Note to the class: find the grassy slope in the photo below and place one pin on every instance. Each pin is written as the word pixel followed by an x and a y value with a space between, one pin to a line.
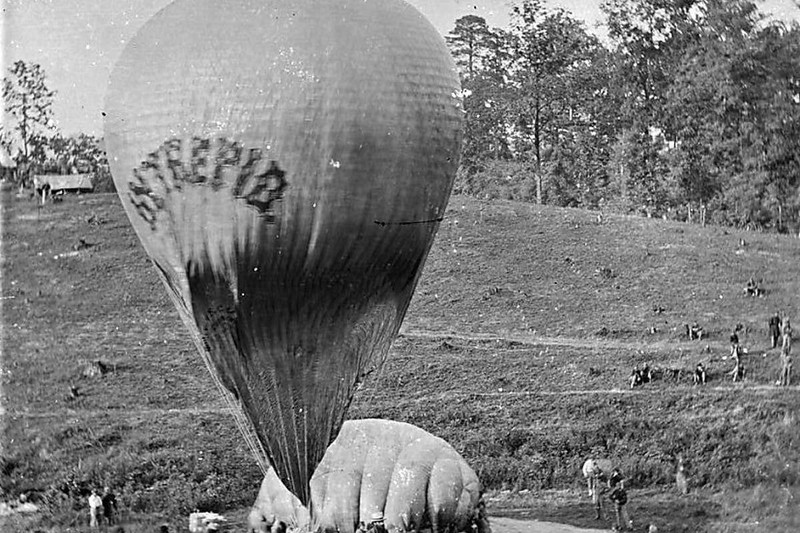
pixel 515 305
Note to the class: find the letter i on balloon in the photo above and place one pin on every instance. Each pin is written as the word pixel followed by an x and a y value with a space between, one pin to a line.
pixel 286 164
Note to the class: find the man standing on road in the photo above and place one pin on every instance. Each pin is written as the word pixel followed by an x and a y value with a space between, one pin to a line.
pixel 620 498
pixel 95 502
pixel 109 506
pixel 599 486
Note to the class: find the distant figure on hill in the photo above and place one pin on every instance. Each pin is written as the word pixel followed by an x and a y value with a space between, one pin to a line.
pixel 699 374
pixel 635 378
pixel 680 478
pixel 786 359
pixel 786 327
pixel 736 353
pixel 694 332
pixel 752 288
pixel 640 376
pixel 775 329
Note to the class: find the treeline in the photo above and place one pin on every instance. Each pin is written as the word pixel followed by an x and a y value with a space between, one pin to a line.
pixel 691 106
pixel 31 140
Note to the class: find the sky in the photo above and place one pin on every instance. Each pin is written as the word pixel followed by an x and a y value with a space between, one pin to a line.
pixel 77 42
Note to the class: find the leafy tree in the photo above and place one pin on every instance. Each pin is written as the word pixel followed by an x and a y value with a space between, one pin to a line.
pixel 695 102
pixel 768 134
pixel 28 105
pixel 82 152
pixel 635 170
pixel 470 42
pixel 482 55
pixel 552 54
pixel 732 110
pixel 648 37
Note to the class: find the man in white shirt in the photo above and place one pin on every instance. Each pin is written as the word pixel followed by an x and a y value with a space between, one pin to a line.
pixel 95 503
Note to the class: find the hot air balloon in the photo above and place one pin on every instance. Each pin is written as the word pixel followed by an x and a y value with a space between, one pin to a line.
pixel 285 164
pixel 380 467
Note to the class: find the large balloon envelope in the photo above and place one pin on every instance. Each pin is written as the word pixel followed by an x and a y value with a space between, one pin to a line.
pixel 286 164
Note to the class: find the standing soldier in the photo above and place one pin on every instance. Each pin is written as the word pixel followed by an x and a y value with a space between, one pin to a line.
pixel 599 486
pixel 786 356
pixel 618 495
pixel 736 354
pixel 620 499
pixel 95 502
pixel 109 506
pixel 775 329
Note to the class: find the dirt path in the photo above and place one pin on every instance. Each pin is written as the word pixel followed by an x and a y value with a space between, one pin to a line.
pixel 89 413
pixel 537 340
pixel 520 337
pixel 511 525
pixel 115 412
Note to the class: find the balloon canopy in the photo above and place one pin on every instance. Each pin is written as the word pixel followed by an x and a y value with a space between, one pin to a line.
pixel 286 164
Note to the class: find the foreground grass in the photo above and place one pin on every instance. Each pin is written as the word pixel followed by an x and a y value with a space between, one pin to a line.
pixel 516 349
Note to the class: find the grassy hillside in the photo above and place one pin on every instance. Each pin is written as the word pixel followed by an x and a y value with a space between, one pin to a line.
pixel 516 349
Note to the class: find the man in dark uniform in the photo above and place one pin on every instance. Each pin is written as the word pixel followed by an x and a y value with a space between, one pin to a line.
pixel 775 329
pixel 109 506
pixel 700 374
pixel 620 498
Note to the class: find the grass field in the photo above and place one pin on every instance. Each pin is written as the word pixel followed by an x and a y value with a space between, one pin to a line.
pixel 516 349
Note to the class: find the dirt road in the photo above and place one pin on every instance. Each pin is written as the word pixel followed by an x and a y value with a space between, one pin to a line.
pixel 511 525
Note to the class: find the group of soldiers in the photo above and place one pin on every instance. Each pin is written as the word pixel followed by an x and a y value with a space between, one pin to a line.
pixel 102 508
pixel 780 333
pixel 611 484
